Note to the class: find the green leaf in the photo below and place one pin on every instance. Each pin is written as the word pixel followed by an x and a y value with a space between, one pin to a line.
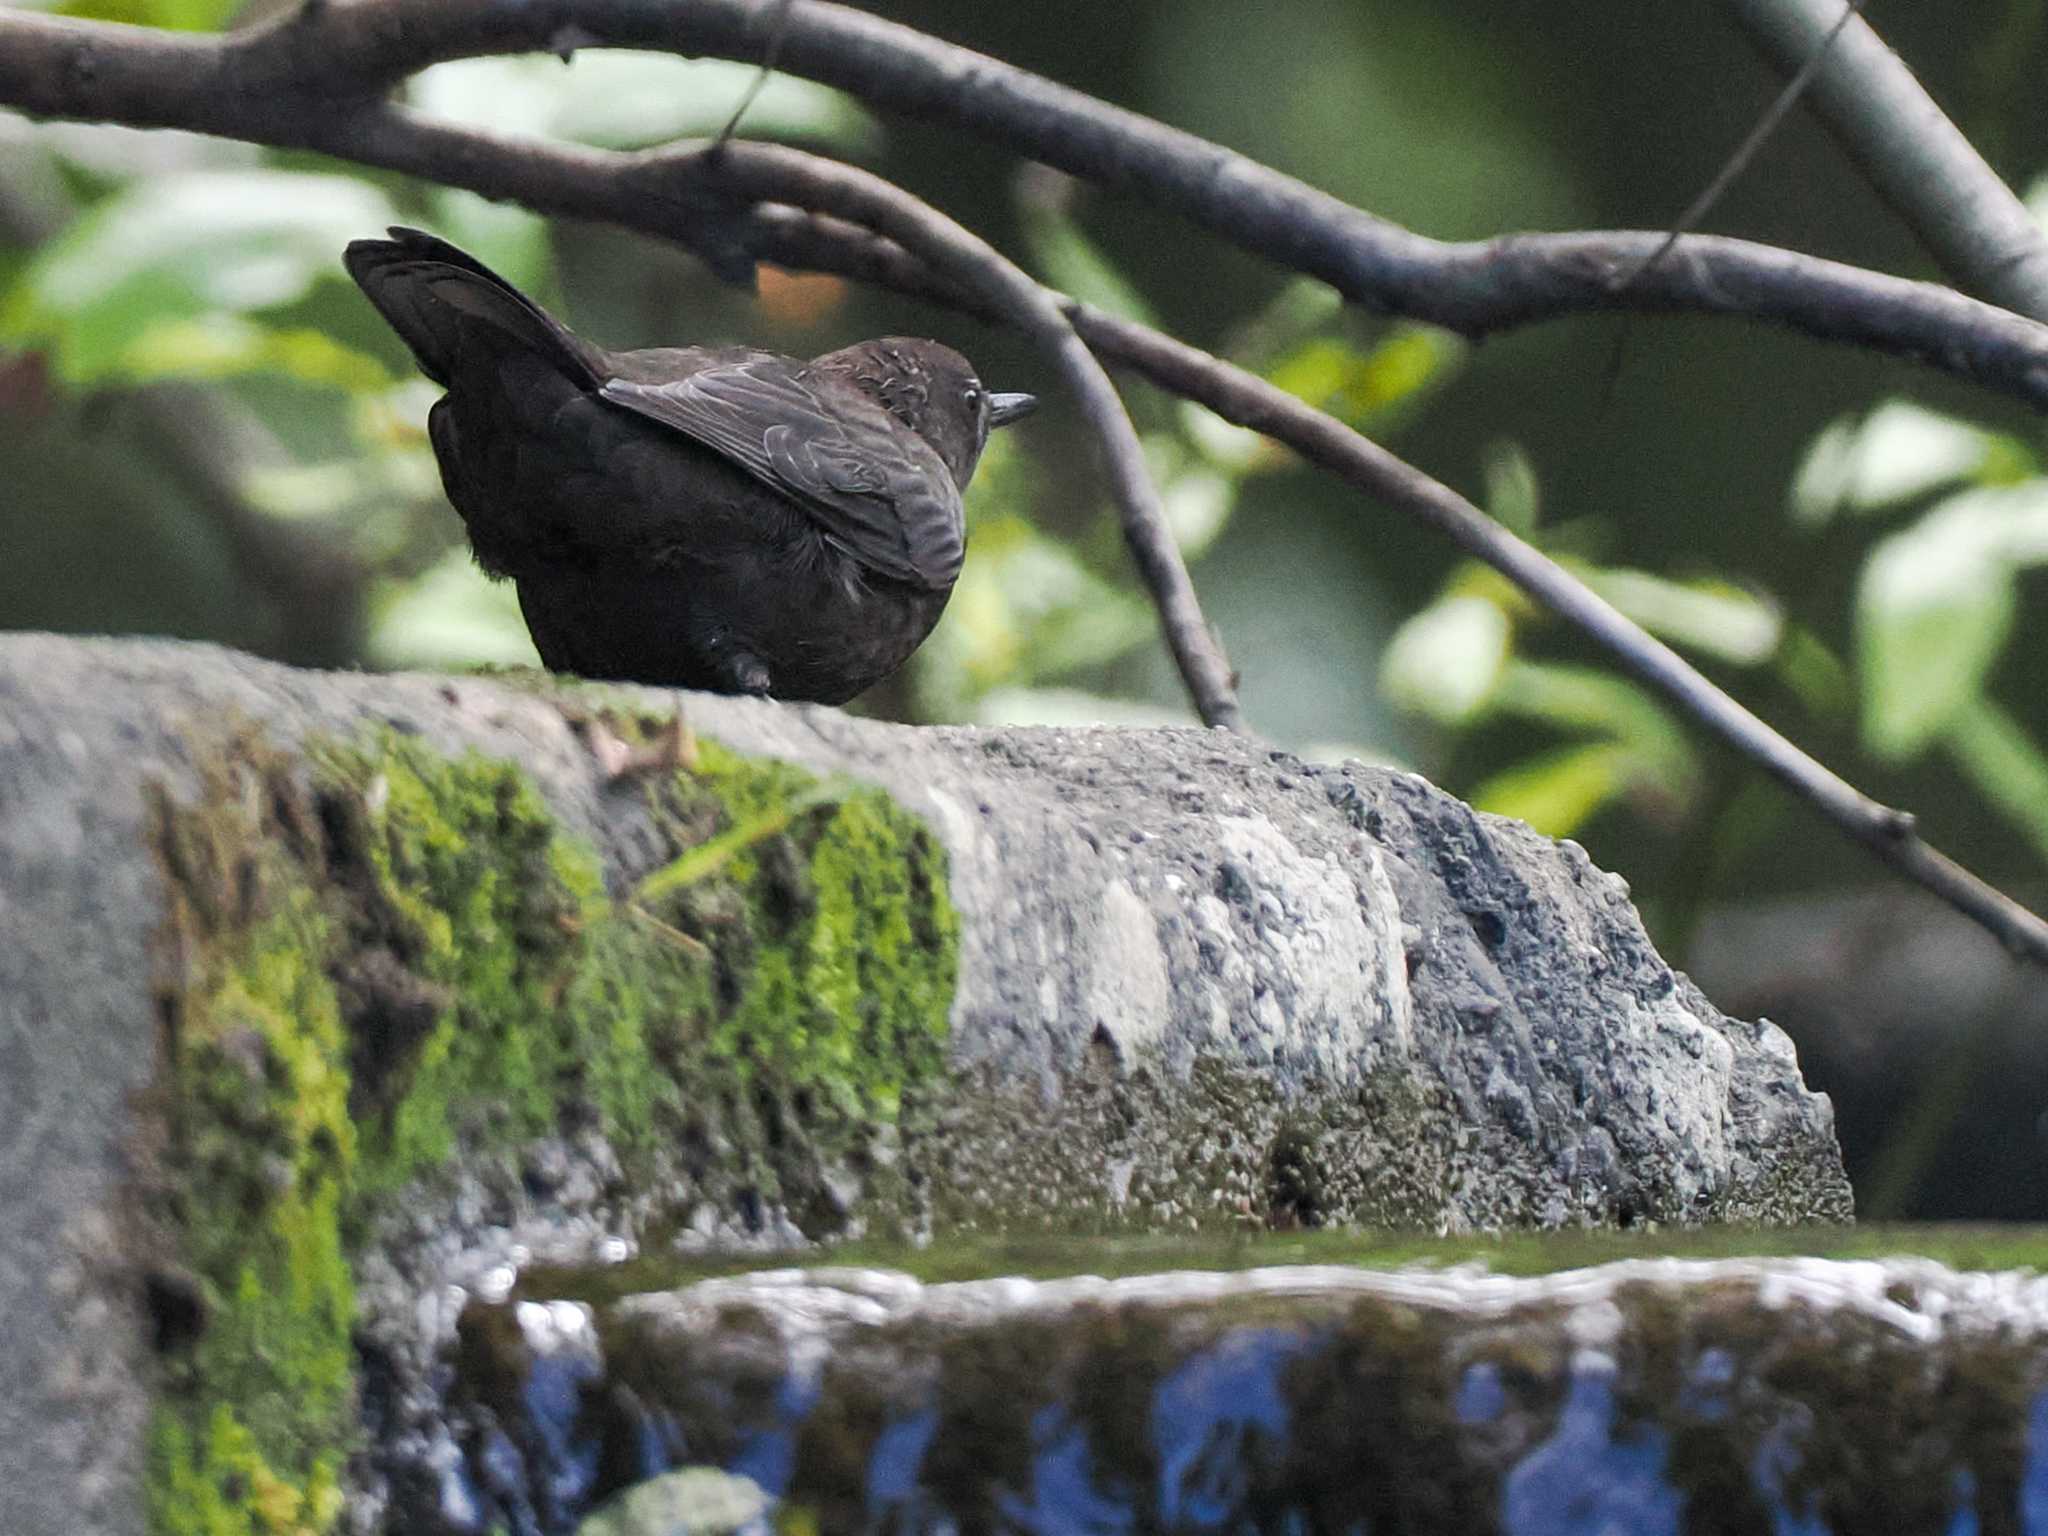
pixel 1903 451
pixel 219 346
pixel 1514 499
pixel 451 616
pixel 1361 387
pixel 1816 675
pixel 1474 578
pixel 1934 607
pixel 1587 700
pixel 1559 792
pixel 628 99
pixel 1820 486
pixel 179 247
pixel 171 15
pixel 1703 614
pixel 1317 369
pixel 2004 763
pixel 1447 660
pixel 1898 453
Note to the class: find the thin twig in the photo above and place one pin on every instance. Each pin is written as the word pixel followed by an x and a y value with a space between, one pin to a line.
pixel 1982 236
pixel 1712 193
pixel 777 31
pixel 1746 151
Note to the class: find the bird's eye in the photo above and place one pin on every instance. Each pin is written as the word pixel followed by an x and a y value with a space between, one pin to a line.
pixel 973 397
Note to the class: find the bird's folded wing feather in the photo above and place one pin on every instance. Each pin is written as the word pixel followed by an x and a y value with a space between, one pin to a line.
pixel 876 488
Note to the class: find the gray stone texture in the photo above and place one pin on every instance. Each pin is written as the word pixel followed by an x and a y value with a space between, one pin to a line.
pixel 1345 990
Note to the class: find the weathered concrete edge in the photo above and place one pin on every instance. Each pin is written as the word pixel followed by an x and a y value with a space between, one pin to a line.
pixel 1327 929
pixel 1234 1177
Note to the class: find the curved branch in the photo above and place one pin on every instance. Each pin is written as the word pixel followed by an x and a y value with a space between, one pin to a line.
pixel 302 79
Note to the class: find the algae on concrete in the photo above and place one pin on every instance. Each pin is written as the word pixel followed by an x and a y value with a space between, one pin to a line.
pixel 372 964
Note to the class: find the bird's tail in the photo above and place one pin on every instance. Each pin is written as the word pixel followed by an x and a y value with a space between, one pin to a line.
pixel 441 300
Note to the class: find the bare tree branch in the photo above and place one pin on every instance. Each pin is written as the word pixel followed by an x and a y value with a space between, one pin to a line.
pixel 1723 179
pixel 1918 160
pixel 305 79
pixel 1249 401
pixel 773 46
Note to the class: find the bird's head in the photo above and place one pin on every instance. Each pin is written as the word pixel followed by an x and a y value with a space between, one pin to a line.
pixel 932 390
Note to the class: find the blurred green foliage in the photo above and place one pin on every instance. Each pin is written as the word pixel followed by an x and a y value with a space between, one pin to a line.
pixel 1936 606
pixel 165 276
pixel 173 15
pixel 1938 599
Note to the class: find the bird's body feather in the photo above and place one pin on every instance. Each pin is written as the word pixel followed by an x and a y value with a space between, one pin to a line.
pixel 878 490
pixel 714 518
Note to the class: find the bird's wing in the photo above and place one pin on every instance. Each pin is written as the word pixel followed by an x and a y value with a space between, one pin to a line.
pixel 876 488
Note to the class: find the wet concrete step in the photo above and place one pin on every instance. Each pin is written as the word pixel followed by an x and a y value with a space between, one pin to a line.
pixel 1796 1395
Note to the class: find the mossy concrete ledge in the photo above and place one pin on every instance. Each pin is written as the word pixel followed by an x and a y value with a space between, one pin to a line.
pixel 327 1000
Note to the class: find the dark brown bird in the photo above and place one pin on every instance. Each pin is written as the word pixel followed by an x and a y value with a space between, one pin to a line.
pixel 699 517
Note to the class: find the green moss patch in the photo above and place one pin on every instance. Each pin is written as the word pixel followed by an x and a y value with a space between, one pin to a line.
pixel 376 956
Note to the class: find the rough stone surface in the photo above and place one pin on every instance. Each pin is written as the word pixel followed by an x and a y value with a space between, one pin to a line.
pixel 1877 985
pixel 1199 981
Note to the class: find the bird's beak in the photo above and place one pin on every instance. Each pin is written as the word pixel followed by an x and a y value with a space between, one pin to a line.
pixel 1004 409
